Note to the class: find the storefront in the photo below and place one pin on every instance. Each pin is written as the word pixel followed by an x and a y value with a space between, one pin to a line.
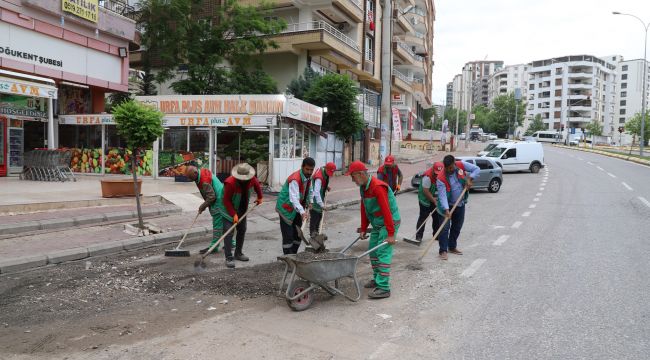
pixel 25 108
pixel 272 132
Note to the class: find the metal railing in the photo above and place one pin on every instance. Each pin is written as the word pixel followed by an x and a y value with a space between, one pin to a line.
pixel 370 55
pixel 357 3
pixel 117 6
pixel 410 51
pixel 403 77
pixel 418 11
pixel 321 25
pixel 418 80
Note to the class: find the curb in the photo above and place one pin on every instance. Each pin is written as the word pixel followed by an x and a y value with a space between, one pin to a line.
pixel 107 248
pixel 91 219
pixel 608 154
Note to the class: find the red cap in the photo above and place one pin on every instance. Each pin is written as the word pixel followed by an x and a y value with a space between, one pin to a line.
pixel 437 167
pixel 356 166
pixel 390 160
pixel 330 167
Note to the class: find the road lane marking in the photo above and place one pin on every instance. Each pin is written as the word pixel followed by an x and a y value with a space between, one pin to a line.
pixel 476 264
pixel 538 194
pixel 532 206
pixel 599 168
pixel 590 163
pixel 526 214
pixel 611 175
pixel 580 159
pixel 536 199
pixel 627 186
pixel 501 240
pixel 645 201
pixel 517 224
pixel 541 189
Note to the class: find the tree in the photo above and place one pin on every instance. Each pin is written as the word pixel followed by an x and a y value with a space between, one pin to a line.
pixel 450 115
pixel 339 94
pixel 536 125
pixel 139 125
pixel 595 129
pixel 428 115
pixel 115 99
pixel 481 117
pixel 502 117
pixel 633 127
pixel 180 32
pixel 299 87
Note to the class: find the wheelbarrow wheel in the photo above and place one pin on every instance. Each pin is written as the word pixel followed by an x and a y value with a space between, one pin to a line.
pixel 303 302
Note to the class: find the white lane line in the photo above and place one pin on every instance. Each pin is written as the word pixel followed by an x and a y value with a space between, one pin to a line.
pixel 541 189
pixel 501 240
pixel 538 194
pixel 536 199
pixel 590 163
pixel 532 206
pixel 645 201
pixel 526 214
pixel 580 159
pixel 599 168
pixel 611 175
pixel 627 186
pixel 476 264
pixel 517 224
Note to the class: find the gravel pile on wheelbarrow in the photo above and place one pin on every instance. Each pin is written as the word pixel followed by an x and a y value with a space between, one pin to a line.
pixel 310 256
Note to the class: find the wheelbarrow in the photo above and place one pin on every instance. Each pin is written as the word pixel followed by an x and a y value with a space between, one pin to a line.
pixel 307 271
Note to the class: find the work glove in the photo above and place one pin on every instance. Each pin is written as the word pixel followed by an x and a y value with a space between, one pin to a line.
pixel 398 187
pixel 202 208
pixel 329 188
pixel 304 216
pixel 259 201
pixel 235 219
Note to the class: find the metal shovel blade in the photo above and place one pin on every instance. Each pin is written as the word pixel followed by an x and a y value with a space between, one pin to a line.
pixel 318 242
pixel 301 235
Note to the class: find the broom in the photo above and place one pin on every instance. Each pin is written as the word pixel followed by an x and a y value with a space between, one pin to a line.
pixel 418 264
pixel 177 252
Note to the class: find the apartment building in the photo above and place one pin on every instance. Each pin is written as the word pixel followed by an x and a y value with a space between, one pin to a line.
pixel 629 94
pixel 457 91
pixel 450 93
pixel 506 80
pixel 475 78
pixel 571 91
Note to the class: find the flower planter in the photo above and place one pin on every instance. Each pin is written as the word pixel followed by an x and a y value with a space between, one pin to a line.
pixel 119 188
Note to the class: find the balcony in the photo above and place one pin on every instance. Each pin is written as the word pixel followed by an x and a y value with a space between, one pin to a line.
pixel 353 8
pixel 407 55
pixel 402 82
pixel 418 85
pixel 415 38
pixel 118 7
pixel 402 21
pixel 321 39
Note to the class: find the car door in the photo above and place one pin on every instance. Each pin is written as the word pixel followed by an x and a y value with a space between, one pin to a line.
pixel 509 160
pixel 484 176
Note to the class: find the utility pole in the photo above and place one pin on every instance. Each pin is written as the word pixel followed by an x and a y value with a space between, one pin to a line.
pixel 386 78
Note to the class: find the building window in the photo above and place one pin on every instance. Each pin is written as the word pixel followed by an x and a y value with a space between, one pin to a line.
pixel 531 87
pixel 624 77
pixel 623 93
pixel 558 71
pixel 624 68
pixel 622 112
pixel 621 120
pixel 623 102
pixel 623 85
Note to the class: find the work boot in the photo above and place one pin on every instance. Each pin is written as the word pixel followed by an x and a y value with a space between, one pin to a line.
pixel 241 257
pixel 443 256
pixel 456 251
pixel 379 294
pixel 230 263
pixel 370 284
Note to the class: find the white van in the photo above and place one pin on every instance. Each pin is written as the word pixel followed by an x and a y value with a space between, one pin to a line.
pixel 519 156
pixel 489 147
pixel 553 137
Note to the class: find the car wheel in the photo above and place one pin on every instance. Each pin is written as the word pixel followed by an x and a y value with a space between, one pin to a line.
pixel 535 168
pixel 494 185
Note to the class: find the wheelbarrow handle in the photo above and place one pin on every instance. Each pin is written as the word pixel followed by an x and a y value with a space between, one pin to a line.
pixel 373 249
pixel 352 243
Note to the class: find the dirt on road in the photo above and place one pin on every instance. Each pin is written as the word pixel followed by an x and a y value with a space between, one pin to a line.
pixel 121 299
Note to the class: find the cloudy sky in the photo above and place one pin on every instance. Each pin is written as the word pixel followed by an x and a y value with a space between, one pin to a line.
pixel 520 31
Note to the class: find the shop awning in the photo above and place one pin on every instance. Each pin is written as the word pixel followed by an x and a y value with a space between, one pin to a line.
pixel 175 120
pixel 20 84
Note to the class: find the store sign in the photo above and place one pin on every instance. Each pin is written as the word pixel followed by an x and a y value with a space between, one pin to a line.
pixel 23 106
pixel 34 48
pixel 86 119
pixel 398 100
pixel 18 87
pixel 86 9
pixel 397 126
pixel 304 111
pixel 173 120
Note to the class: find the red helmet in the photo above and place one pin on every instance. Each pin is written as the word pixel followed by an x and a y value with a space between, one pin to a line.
pixel 356 166
pixel 390 160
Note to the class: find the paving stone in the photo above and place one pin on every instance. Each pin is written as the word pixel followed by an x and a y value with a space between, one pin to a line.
pixel 105 248
pixel 89 219
pixel 22 263
pixel 52 224
pixel 17 228
pixel 134 243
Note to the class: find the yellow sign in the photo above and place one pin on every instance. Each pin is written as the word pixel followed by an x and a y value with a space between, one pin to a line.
pixel 87 9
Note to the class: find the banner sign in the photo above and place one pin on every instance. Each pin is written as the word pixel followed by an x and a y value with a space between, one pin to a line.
pixel 85 9
pixel 397 126
pixel 18 87
pixel 173 120
pixel 304 111
pixel 23 106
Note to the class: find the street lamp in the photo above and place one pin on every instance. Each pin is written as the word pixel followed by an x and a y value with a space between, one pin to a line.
pixel 645 79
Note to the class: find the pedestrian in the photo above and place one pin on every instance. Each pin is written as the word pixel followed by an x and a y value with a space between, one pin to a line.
pixel 237 189
pixel 292 205
pixel 390 173
pixel 379 209
pixel 212 191
pixel 427 199
pixel 320 184
pixel 450 184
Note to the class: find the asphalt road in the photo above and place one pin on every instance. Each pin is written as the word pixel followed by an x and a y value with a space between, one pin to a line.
pixel 555 267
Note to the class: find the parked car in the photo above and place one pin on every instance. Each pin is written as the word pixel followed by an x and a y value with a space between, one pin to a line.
pixel 491 175
pixel 574 142
pixel 519 156
pixel 475 135
pixel 490 178
pixel 461 136
pixel 492 136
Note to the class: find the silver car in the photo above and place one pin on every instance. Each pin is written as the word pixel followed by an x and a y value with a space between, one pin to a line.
pixel 491 175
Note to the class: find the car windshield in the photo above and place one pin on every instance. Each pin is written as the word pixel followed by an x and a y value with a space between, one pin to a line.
pixel 496 152
pixel 490 147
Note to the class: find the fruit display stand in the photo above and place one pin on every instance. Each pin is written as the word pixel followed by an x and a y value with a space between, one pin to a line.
pixel 174 163
pixel 115 161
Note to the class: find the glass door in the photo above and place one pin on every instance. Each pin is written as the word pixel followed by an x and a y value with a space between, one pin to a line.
pixel 16 139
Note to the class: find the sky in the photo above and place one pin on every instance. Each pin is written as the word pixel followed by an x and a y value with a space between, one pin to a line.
pixel 520 31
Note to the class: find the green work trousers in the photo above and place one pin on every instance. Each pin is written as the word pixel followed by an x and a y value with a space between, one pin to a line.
pixel 217 227
pixel 381 258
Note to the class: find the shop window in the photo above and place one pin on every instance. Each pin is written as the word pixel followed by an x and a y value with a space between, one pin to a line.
pixel 174 157
pixel 73 100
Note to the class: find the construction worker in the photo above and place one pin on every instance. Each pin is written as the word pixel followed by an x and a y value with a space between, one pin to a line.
pixel 212 191
pixel 450 184
pixel 320 184
pixel 379 209
pixel 292 205
pixel 427 198
pixel 390 173
pixel 237 189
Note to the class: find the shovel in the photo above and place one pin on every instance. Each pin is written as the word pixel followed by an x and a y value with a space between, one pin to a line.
pixel 411 239
pixel 177 252
pixel 199 264
pixel 418 264
pixel 320 238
